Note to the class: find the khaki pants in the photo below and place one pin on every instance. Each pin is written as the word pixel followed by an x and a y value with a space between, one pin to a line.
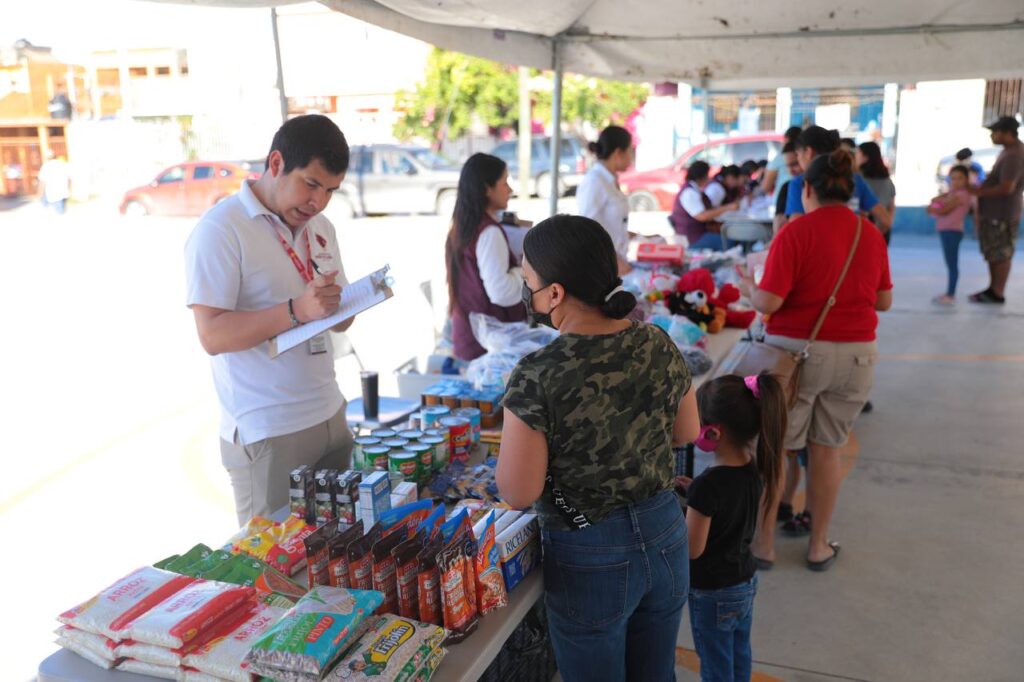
pixel 259 471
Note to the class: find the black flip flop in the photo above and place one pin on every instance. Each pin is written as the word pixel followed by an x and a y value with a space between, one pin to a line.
pixel 763 564
pixel 798 526
pixel 785 513
pixel 986 297
pixel 825 564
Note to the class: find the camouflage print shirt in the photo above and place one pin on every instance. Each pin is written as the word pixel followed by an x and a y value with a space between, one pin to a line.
pixel 607 405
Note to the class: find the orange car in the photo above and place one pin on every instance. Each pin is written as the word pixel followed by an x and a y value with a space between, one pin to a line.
pixel 189 188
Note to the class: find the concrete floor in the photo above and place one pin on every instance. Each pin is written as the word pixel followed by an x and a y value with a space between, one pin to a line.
pixel 928 586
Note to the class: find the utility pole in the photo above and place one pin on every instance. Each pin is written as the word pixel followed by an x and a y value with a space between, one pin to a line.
pixel 525 133
pixel 280 70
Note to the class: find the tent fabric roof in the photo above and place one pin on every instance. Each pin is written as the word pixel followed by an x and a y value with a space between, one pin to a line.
pixel 723 44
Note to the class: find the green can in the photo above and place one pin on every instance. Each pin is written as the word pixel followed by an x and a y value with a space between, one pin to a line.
pixel 395 443
pixel 411 434
pixel 358 450
pixel 440 446
pixel 376 457
pixel 383 433
pixel 405 463
pixel 425 452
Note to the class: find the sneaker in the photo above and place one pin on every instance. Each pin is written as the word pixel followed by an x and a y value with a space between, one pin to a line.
pixel 944 300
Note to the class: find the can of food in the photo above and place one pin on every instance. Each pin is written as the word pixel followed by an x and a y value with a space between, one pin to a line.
pixel 468 400
pixel 487 401
pixel 358 456
pixel 395 443
pixel 440 446
pixel 376 457
pixel 474 417
pixel 425 453
pixel 460 437
pixel 490 420
pixel 450 398
pixel 429 415
pixel 439 431
pixel 411 434
pixel 405 463
pixel 383 434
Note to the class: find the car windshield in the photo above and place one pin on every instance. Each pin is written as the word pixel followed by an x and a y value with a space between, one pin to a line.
pixel 431 159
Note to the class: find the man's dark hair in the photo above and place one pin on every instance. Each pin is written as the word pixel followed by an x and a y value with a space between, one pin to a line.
pixel 848 142
pixel 749 167
pixel 305 138
pixel 789 148
pixel 820 140
pixel 792 133
pixel 698 171
pixel 964 154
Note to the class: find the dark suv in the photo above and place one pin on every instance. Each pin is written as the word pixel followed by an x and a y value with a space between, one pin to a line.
pixel 392 178
pixel 572 164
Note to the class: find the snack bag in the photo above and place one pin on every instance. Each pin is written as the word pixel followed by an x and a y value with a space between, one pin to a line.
pixel 385 580
pixel 190 558
pixel 459 522
pixel 428 584
pixel 407 568
pixel 181 618
pixel 317 554
pixel 390 647
pixel 490 583
pixel 405 519
pixel 224 657
pixel 429 666
pixel 287 556
pixel 360 560
pixel 458 596
pixel 119 604
pixel 433 521
pixel 337 555
pixel 254 526
pixel 273 582
pixel 312 635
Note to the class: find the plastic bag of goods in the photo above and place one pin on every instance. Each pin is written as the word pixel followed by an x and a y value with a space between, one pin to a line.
pixel 393 648
pixel 313 634
pixel 188 613
pixel 224 657
pixel 97 649
pixel 118 605
pixel 163 672
pixel 490 583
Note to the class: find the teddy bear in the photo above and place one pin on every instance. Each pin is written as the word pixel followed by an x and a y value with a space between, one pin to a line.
pixel 700 279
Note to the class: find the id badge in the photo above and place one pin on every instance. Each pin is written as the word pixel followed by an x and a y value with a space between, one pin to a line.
pixel 318 344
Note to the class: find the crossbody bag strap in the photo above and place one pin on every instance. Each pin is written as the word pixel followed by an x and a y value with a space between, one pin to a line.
pixel 835 291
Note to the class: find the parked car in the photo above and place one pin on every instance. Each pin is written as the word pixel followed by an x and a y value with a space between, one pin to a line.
pixel 985 157
pixel 572 164
pixel 655 190
pixel 391 178
pixel 188 188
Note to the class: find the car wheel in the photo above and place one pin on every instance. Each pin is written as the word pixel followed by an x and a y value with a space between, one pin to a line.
pixel 445 205
pixel 642 201
pixel 135 209
pixel 544 186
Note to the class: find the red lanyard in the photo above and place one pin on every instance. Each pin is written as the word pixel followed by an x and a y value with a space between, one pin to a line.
pixel 306 271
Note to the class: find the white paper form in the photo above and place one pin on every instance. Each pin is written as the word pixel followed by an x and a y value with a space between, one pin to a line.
pixel 355 298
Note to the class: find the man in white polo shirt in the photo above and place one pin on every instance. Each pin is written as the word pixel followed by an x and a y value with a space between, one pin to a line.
pixel 258 263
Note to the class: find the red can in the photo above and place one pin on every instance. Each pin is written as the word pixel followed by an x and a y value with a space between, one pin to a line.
pixel 460 434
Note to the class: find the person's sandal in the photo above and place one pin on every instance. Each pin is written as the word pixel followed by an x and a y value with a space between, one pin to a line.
pixel 798 526
pixel 987 296
pixel 825 564
pixel 785 513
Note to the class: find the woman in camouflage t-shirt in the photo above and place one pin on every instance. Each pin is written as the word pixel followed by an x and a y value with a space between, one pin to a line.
pixel 590 422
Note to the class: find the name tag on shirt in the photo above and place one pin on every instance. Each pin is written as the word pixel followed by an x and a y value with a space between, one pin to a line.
pixel 318 344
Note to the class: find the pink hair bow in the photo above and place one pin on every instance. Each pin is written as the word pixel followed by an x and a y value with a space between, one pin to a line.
pixel 751 382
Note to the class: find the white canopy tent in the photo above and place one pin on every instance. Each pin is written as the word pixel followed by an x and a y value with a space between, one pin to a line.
pixel 722 45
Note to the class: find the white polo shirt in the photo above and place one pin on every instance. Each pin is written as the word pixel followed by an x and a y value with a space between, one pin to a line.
pixel 234 261
pixel 598 197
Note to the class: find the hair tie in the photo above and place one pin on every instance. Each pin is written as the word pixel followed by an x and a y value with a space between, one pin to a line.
pixel 751 382
pixel 613 292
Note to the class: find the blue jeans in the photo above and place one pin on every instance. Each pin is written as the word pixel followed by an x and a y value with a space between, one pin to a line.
pixel 709 240
pixel 615 593
pixel 951 252
pixel 721 621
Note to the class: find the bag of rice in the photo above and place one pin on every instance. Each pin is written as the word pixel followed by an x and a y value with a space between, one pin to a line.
pixel 101 646
pixel 313 634
pixel 188 614
pixel 164 672
pixel 88 654
pixel 391 647
pixel 118 605
pixel 224 657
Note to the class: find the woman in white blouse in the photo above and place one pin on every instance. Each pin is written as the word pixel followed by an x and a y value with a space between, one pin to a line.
pixel 598 197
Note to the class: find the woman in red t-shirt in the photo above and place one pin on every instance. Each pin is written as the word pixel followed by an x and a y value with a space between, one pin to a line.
pixel 803 266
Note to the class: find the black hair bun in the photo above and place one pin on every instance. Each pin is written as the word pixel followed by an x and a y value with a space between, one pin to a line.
pixel 619 306
pixel 593 147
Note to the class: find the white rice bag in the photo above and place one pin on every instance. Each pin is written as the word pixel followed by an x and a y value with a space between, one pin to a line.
pixel 118 605
pixel 149 653
pixel 101 646
pixel 224 657
pixel 188 614
pixel 196 676
pixel 87 653
pixel 164 672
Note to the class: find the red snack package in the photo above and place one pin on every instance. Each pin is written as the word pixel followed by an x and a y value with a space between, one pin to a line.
pixel 458 597
pixel 287 555
pixel 428 584
pixel 317 554
pixel 337 555
pixel 384 578
pixel 360 560
pixel 464 534
pixel 407 567
pixel 490 583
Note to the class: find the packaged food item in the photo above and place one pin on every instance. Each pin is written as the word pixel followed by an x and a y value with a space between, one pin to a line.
pixel 474 416
pixel 190 558
pixel 273 582
pixel 119 604
pixel 260 543
pixel 411 434
pixel 405 519
pixel 287 556
pixel 429 666
pixel 407 568
pixel 374 497
pixel 481 524
pixel 383 434
pixel 406 463
pixel 506 520
pixel 395 443
pixel 337 555
pixel 490 583
pixel 224 657
pixel 163 672
pixel 460 437
pixel 317 558
pixel 360 560
pixel 346 496
pixel 161 655
pixel 520 549
pixel 104 647
pixel 88 654
pixel 458 596
pixel 385 580
pixel 428 583
pixel 301 492
pixel 430 414
pixel 439 454
pixel 402 494
pixel 323 496
pixel 459 522
pixel 432 524
pixel 182 617
pixel 359 460
pixel 237 569
pixel 391 647
pixel 312 635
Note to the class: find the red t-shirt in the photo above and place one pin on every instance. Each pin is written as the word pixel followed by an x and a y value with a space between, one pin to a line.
pixel 803 265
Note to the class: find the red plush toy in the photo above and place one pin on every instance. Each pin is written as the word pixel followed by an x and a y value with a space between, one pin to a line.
pixel 700 279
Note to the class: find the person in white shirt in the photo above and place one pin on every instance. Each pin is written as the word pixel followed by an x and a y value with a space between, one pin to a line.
pixel 56 182
pixel 259 263
pixel 483 276
pixel 598 196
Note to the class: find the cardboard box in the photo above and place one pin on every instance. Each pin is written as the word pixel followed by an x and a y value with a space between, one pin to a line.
pixel 374 497
pixel 403 493
pixel 519 545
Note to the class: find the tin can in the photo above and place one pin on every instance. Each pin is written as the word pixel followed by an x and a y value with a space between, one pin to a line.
pixel 383 434
pixel 490 421
pixel 358 449
pixel 460 437
pixel 376 457
pixel 395 443
pixel 450 398
pixel 411 434
pixel 474 417
pixel 430 414
pixel 439 431
pixel 425 452
pixel 405 463
pixel 440 446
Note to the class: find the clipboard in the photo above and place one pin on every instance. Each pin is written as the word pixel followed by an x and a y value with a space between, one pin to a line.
pixel 355 298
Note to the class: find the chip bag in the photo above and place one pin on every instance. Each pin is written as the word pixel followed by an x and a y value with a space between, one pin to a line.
pixel 490 583
pixel 390 647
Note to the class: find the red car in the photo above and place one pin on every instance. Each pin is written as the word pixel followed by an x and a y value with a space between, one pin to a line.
pixel 189 188
pixel 655 190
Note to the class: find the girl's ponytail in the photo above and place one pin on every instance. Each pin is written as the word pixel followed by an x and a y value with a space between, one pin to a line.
pixel 771 440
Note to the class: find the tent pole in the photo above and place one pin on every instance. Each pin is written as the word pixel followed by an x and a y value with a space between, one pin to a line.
pixel 556 125
pixel 280 70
